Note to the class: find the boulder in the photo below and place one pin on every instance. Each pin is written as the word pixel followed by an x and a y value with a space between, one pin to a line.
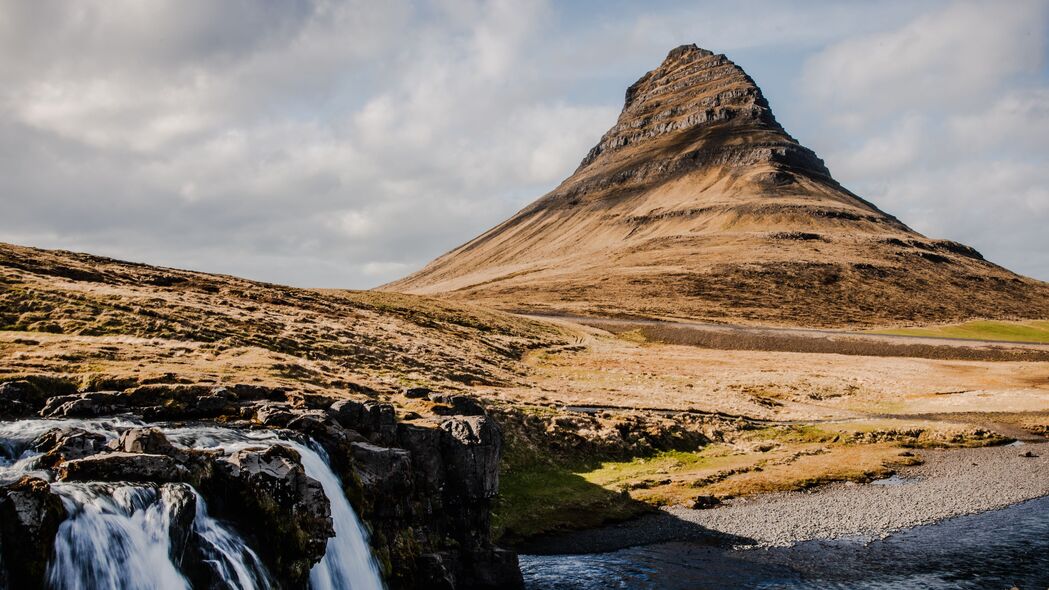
pixel 144 440
pixel 376 420
pixel 18 399
pixel 471 446
pixel 704 501
pixel 417 392
pixel 267 494
pixel 386 475
pixel 320 427
pixel 182 509
pixel 273 413
pixel 64 444
pixel 367 415
pixel 140 467
pixel 456 405
pixel 83 405
pixel 30 514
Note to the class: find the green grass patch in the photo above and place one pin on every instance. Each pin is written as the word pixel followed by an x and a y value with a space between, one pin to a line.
pixel 612 474
pixel 1036 331
pixel 550 498
pixel 793 434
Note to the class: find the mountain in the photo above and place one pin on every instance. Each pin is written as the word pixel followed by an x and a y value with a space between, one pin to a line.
pixel 698 204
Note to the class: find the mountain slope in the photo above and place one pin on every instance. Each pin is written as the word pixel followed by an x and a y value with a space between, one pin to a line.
pixel 135 323
pixel 698 204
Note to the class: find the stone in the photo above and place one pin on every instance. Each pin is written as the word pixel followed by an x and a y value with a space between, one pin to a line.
pixel 64 444
pixel 273 413
pixel 144 440
pixel 82 405
pixel 267 494
pixel 18 399
pixel 182 506
pixel 140 467
pixel 385 472
pixel 416 392
pixel 703 501
pixel 30 514
pixel 471 448
pixel 460 405
pixel 321 428
pixel 376 420
pixel 1028 454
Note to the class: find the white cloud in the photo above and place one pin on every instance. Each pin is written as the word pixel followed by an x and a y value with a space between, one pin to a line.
pixel 898 146
pixel 955 56
pixel 344 143
pixel 1020 119
pixel 944 122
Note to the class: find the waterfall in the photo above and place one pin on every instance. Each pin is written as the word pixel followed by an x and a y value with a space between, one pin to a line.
pixel 119 536
pixel 227 555
pixel 348 557
pixel 116 536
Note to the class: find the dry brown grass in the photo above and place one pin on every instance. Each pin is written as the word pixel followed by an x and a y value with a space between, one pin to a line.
pixel 96 315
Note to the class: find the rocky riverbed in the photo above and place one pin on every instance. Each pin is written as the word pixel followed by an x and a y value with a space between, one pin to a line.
pixel 950 483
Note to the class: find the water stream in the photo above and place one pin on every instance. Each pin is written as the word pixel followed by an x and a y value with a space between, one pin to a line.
pixel 119 535
pixel 1000 549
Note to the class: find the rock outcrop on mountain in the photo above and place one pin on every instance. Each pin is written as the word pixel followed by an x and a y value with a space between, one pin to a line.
pixel 698 204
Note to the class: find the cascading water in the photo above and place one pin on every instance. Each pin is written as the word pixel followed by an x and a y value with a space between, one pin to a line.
pixel 116 536
pixel 119 536
pixel 347 563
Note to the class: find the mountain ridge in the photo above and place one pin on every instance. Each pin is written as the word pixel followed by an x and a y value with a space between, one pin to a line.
pixel 698 204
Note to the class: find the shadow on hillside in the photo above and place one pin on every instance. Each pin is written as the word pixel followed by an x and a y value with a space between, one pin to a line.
pixel 647 529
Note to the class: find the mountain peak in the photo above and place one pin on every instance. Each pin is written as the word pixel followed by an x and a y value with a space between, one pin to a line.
pixel 687 52
pixel 698 204
pixel 696 109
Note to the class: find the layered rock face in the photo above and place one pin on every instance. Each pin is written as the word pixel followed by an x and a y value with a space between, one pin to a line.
pixel 424 490
pixel 698 204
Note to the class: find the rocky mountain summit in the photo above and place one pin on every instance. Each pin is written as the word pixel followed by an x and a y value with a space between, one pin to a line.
pixel 698 204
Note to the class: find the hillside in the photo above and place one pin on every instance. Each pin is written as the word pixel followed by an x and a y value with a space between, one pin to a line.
pixel 697 204
pixel 586 412
pixel 100 319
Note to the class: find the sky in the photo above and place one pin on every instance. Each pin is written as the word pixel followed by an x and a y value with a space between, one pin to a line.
pixel 329 143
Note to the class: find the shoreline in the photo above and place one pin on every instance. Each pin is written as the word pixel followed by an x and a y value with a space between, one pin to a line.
pixel 950 483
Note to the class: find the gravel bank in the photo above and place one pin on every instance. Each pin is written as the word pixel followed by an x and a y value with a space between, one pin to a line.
pixel 950 483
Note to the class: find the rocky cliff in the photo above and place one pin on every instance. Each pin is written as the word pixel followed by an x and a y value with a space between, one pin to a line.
pixel 424 490
pixel 698 204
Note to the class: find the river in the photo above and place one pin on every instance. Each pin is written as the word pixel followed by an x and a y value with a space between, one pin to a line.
pixel 1000 549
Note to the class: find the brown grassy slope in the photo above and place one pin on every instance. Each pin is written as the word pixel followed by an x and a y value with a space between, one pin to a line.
pixel 86 301
pixel 697 204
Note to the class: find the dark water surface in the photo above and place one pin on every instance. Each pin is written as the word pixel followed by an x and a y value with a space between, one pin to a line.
pixel 993 550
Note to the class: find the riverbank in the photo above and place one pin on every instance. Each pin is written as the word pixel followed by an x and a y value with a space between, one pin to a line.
pixel 950 483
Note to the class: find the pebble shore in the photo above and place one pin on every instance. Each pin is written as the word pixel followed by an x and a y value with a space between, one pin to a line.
pixel 950 483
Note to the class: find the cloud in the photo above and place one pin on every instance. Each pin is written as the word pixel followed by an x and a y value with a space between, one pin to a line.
pixel 955 56
pixel 944 122
pixel 344 143
pixel 1019 121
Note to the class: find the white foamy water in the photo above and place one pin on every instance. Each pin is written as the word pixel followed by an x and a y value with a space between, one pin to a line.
pixel 118 536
